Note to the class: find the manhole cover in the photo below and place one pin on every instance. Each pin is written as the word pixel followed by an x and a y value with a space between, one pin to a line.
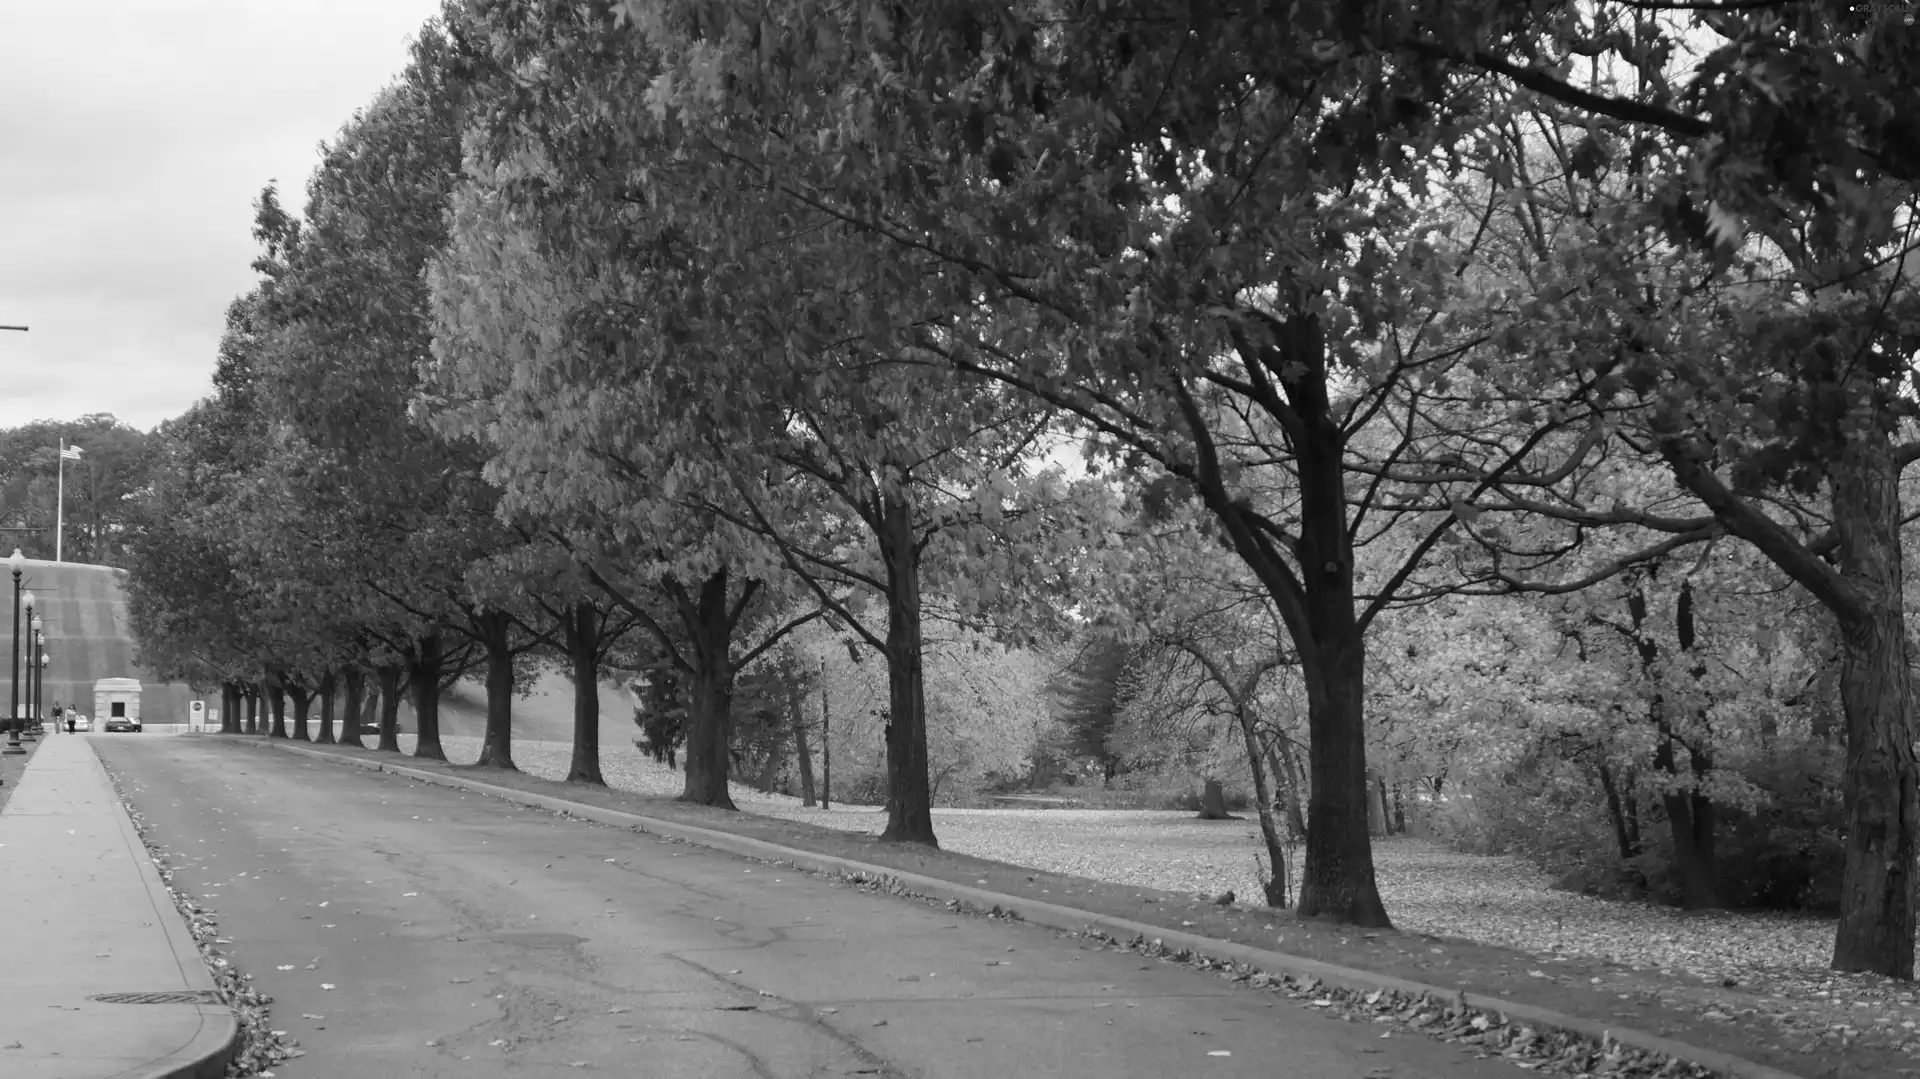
pixel 177 996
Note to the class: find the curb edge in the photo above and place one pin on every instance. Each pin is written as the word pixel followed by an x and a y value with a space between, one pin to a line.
pixel 215 1041
pixel 1054 916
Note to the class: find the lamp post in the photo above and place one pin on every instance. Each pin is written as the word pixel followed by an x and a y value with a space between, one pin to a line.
pixel 21 721
pixel 15 563
pixel 36 680
pixel 40 689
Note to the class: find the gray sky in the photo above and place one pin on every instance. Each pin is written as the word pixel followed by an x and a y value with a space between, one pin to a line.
pixel 134 136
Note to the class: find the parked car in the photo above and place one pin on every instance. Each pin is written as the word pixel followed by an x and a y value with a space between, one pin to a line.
pixel 81 722
pixel 122 725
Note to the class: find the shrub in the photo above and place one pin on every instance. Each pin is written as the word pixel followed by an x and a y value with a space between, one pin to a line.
pixel 1782 853
pixel 862 789
pixel 1189 799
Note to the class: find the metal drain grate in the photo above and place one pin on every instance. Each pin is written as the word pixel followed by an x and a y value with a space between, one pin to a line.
pixel 176 996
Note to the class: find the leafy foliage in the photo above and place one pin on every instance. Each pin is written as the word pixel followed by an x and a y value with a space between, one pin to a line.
pixel 1457 385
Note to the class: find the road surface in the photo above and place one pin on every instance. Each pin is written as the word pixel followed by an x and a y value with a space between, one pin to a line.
pixel 404 929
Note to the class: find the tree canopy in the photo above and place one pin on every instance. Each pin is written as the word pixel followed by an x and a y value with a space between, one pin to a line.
pixel 1333 390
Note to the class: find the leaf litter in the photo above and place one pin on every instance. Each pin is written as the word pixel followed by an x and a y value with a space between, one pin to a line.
pixel 1769 968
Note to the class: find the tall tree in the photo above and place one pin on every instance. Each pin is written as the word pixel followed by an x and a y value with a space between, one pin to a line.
pixel 1086 694
pixel 1736 268
pixel 1197 231
pixel 609 475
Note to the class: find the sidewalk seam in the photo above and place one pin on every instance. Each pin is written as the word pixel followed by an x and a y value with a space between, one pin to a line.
pixel 1055 916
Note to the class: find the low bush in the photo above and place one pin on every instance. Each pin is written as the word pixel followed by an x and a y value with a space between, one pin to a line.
pixel 861 789
pixel 1781 852
pixel 1189 800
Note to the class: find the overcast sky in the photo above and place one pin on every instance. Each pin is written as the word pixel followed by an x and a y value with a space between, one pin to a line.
pixel 134 136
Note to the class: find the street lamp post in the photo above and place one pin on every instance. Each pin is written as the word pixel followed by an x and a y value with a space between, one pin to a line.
pixel 16 562
pixel 25 722
pixel 36 679
pixel 29 603
pixel 40 690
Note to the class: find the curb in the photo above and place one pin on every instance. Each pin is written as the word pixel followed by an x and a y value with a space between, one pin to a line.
pixel 213 1045
pixel 1069 919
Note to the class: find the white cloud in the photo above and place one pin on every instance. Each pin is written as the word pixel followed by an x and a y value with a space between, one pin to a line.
pixel 134 136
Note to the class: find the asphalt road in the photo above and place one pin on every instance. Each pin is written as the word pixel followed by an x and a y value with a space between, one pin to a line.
pixel 405 929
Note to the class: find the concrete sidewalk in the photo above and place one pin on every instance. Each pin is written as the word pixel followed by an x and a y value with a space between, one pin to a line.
pixel 87 915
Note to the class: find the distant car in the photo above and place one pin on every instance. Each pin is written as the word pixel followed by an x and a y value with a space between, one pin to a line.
pixel 119 725
pixel 81 723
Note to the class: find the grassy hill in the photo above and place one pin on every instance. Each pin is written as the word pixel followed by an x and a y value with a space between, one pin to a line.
pixel 85 614
pixel 543 715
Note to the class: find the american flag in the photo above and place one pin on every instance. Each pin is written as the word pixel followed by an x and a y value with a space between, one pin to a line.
pixel 71 453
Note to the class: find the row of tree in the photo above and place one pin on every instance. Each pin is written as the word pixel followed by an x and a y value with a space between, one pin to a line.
pixel 724 318
pixel 100 490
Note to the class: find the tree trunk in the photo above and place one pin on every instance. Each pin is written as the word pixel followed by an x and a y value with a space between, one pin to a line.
pixel 1626 830
pixel 1287 777
pixel 391 677
pixel 1213 801
pixel 424 674
pixel 252 695
pixel 1693 864
pixel 1337 880
pixel 496 632
pixel 277 699
pixel 795 709
pixel 1317 605
pixel 826 743
pixel 770 764
pixel 1275 886
pixel 302 712
pixel 583 653
pixel 327 683
pixel 909 790
pixel 1690 812
pixel 1376 806
pixel 1690 823
pixel 710 694
pixel 355 698
pixel 1876 931
pixel 230 698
